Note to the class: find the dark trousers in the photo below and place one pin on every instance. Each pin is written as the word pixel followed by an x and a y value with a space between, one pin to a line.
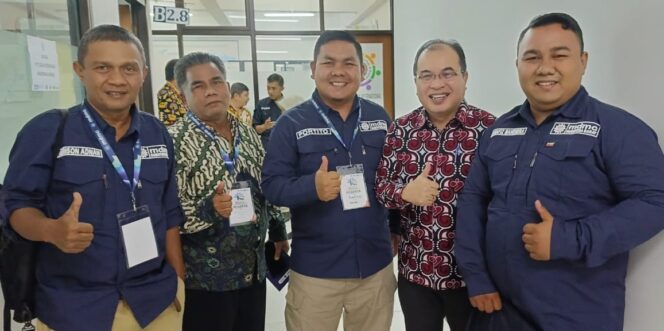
pixel 237 310
pixel 424 309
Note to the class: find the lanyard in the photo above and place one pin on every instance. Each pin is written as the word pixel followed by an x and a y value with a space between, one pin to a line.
pixel 230 164
pixel 336 133
pixel 115 161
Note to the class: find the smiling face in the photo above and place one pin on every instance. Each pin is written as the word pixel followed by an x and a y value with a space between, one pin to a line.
pixel 440 83
pixel 206 92
pixel 337 72
pixel 112 73
pixel 550 65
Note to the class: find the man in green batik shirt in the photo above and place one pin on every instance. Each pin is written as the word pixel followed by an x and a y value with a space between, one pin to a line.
pixel 224 254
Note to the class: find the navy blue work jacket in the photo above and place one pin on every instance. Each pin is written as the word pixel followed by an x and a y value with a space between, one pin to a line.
pixel 600 172
pixel 329 242
pixel 81 291
pixel 266 109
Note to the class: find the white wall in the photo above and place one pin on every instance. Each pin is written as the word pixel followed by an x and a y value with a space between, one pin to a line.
pixel 624 40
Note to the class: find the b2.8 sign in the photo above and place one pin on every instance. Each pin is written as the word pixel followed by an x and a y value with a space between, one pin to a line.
pixel 172 15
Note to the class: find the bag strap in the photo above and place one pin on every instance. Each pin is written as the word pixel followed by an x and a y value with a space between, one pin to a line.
pixel 64 113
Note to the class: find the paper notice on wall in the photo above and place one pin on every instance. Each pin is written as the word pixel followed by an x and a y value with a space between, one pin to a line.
pixel 371 87
pixel 43 64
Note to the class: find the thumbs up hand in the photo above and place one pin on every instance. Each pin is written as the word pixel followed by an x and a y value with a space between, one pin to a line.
pixel 328 183
pixel 67 232
pixel 222 201
pixel 421 191
pixel 537 236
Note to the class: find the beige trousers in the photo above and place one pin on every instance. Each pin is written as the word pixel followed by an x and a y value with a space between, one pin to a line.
pixel 169 320
pixel 317 304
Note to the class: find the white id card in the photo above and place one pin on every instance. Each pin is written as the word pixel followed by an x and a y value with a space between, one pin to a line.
pixel 138 236
pixel 243 204
pixel 353 188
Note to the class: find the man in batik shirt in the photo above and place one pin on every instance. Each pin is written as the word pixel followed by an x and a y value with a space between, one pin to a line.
pixel 239 100
pixel 425 161
pixel 169 100
pixel 223 238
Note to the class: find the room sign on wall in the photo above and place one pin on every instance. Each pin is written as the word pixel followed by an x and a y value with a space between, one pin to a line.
pixel 171 15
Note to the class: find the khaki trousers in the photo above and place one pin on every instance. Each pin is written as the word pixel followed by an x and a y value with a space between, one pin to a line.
pixel 316 304
pixel 169 320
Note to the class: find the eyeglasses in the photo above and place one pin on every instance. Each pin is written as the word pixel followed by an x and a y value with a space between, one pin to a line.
pixel 429 77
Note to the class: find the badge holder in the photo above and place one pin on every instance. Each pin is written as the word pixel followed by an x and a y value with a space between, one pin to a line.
pixel 353 187
pixel 243 212
pixel 138 236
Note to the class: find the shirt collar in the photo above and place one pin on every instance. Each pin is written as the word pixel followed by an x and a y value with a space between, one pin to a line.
pixel 327 110
pixel 573 108
pixel 419 117
pixel 103 125
pixel 231 119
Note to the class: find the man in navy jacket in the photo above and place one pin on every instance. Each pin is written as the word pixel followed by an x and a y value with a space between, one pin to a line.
pixel 341 259
pixel 561 189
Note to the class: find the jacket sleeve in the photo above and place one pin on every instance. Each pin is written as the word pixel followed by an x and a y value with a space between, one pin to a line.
pixel 171 202
pixel 388 183
pixel 281 183
pixel 471 220
pixel 30 165
pixel 635 166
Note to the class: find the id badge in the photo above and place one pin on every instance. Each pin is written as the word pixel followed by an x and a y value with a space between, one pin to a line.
pixel 353 188
pixel 138 236
pixel 243 204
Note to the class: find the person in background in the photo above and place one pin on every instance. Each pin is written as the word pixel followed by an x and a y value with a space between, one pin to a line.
pixel 169 100
pixel 237 106
pixel 268 110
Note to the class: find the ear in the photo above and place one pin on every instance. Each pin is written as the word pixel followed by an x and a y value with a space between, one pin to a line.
pixel 364 68
pixel 312 65
pixel 146 70
pixel 78 69
pixel 465 76
pixel 184 96
pixel 584 61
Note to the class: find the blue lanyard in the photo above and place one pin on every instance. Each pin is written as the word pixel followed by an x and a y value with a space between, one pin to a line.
pixel 334 130
pixel 115 161
pixel 230 164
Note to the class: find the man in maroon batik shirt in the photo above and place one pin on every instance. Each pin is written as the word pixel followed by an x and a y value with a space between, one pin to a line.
pixel 426 159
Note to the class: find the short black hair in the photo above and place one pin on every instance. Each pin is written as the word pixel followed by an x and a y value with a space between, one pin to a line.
pixel 170 69
pixel 565 20
pixel 193 59
pixel 333 35
pixel 276 78
pixel 437 43
pixel 107 32
pixel 238 88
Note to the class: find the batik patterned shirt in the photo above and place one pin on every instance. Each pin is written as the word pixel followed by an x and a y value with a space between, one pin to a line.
pixel 171 104
pixel 426 251
pixel 241 114
pixel 219 257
